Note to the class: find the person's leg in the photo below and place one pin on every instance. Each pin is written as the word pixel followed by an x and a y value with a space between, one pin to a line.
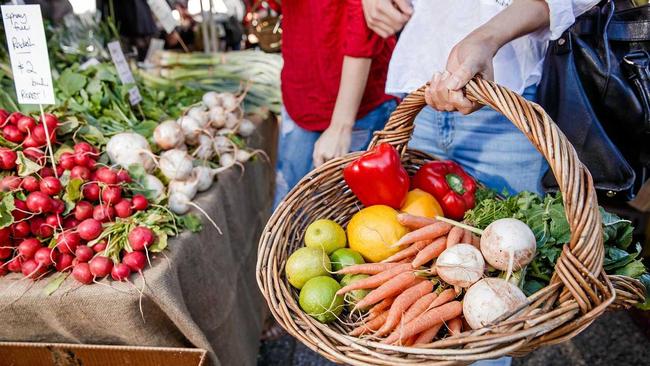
pixel 295 149
pixel 375 120
pixel 432 133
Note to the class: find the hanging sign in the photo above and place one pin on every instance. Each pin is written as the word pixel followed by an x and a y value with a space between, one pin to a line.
pixel 162 11
pixel 123 71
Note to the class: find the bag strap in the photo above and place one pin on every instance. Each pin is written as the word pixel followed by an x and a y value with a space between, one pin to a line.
pixel 629 31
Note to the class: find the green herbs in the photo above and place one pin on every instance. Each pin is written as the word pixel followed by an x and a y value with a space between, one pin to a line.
pixel 546 218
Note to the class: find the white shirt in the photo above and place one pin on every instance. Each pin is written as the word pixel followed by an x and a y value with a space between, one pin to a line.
pixel 437 25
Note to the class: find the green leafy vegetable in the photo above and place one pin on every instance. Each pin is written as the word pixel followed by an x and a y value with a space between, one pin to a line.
pixel 6 206
pixel 26 166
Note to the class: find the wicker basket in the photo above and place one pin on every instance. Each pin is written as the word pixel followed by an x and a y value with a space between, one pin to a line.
pixel 578 293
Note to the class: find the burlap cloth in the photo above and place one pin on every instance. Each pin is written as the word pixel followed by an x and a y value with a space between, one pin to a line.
pixel 201 294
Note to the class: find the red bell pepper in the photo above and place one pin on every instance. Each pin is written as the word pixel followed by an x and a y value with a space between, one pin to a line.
pixel 449 184
pixel 378 178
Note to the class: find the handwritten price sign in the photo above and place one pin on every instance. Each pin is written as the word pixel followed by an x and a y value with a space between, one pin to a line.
pixel 27 47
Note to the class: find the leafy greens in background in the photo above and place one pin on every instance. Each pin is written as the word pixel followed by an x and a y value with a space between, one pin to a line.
pixel 545 216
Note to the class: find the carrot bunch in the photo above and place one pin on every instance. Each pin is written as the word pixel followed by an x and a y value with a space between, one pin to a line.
pixel 404 306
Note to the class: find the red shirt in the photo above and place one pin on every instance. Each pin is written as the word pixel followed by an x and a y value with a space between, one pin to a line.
pixel 316 34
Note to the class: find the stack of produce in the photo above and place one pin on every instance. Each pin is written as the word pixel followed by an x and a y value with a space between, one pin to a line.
pixel 405 272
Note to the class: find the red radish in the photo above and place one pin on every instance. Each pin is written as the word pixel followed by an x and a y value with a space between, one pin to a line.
pixel 70 223
pixel 32 269
pixel 81 172
pixel 51 186
pixel 25 124
pixel 123 208
pixel 54 220
pixel 21 210
pixel 67 242
pixel 44 230
pixel 66 160
pixel 103 213
pixel 120 272
pixel 85 148
pixel 3 268
pixel 14 117
pixel 106 175
pixel 4 236
pixel 28 247
pixel 81 273
pixel 50 120
pixel 38 133
pixel 83 210
pixel 111 195
pixel 35 224
pixel 84 253
pixel 123 176
pixel 64 262
pixel 99 246
pixel 6 252
pixel 34 154
pixel 140 202
pixel 30 184
pixel 89 229
pixel 141 237
pixel 135 260
pixel 7 159
pixel 45 256
pixel 20 229
pixel 59 170
pixel 82 159
pixel 46 172
pixel 100 266
pixel 10 183
pixel 13 134
pixel 4 117
pixel 58 206
pixel 91 191
pixel 15 265
pixel 30 143
pixel 38 202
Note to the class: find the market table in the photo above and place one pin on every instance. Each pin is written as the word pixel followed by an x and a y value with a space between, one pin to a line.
pixel 201 293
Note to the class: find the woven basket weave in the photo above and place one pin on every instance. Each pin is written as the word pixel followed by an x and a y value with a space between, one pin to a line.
pixel 578 293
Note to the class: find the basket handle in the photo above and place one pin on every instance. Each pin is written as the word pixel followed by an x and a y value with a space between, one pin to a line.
pixel 584 259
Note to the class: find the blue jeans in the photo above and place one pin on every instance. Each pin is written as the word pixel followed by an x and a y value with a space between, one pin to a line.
pixel 485 143
pixel 296 146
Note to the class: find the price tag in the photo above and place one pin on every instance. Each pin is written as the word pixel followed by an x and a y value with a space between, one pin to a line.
pixel 163 12
pixel 155 45
pixel 123 71
pixel 30 62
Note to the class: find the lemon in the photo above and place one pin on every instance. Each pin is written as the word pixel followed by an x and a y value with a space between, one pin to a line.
pixel 306 263
pixel 351 298
pixel 326 235
pixel 421 203
pixel 318 298
pixel 345 257
pixel 373 230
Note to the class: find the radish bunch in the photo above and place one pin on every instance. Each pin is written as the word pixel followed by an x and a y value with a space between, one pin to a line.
pixel 24 130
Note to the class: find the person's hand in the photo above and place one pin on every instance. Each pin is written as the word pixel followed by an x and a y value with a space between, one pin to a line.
pixel 386 17
pixel 471 56
pixel 333 142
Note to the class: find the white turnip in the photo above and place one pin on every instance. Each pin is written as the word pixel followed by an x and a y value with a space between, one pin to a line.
pixel 175 164
pixel 217 116
pixel 228 101
pixel 460 265
pixel 227 160
pixel 168 135
pixel 205 176
pixel 153 184
pixel 180 204
pixel 205 149
pixel 128 148
pixel 211 99
pixel 246 127
pixel 232 119
pixel 490 298
pixel 187 188
pixel 508 244
pixel 191 129
pixel 200 115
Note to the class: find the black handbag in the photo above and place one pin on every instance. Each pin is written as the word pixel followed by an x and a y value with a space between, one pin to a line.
pixel 596 87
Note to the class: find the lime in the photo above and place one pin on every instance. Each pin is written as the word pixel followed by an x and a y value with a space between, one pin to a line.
pixel 318 299
pixel 352 297
pixel 345 257
pixel 326 235
pixel 306 263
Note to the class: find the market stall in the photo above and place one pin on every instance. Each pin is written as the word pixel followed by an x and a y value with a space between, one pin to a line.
pixel 201 293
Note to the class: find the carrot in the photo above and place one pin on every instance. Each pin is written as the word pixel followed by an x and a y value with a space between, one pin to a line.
pixel 376 280
pixel 428 232
pixel 426 321
pixel 408 252
pixel 413 221
pixel 366 268
pixel 455 326
pixel 428 335
pixel 431 251
pixel 379 308
pixel 402 303
pixel 443 298
pixel 370 326
pixel 419 307
pixel 476 241
pixel 467 237
pixel 391 288
pixel 455 234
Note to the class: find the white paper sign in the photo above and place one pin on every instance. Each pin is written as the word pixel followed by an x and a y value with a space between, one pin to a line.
pixel 27 47
pixel 155 45
pixel 162 11
pixel 123 71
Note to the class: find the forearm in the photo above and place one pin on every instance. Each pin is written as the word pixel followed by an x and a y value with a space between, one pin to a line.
pixel 518 19
pixel 354 75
